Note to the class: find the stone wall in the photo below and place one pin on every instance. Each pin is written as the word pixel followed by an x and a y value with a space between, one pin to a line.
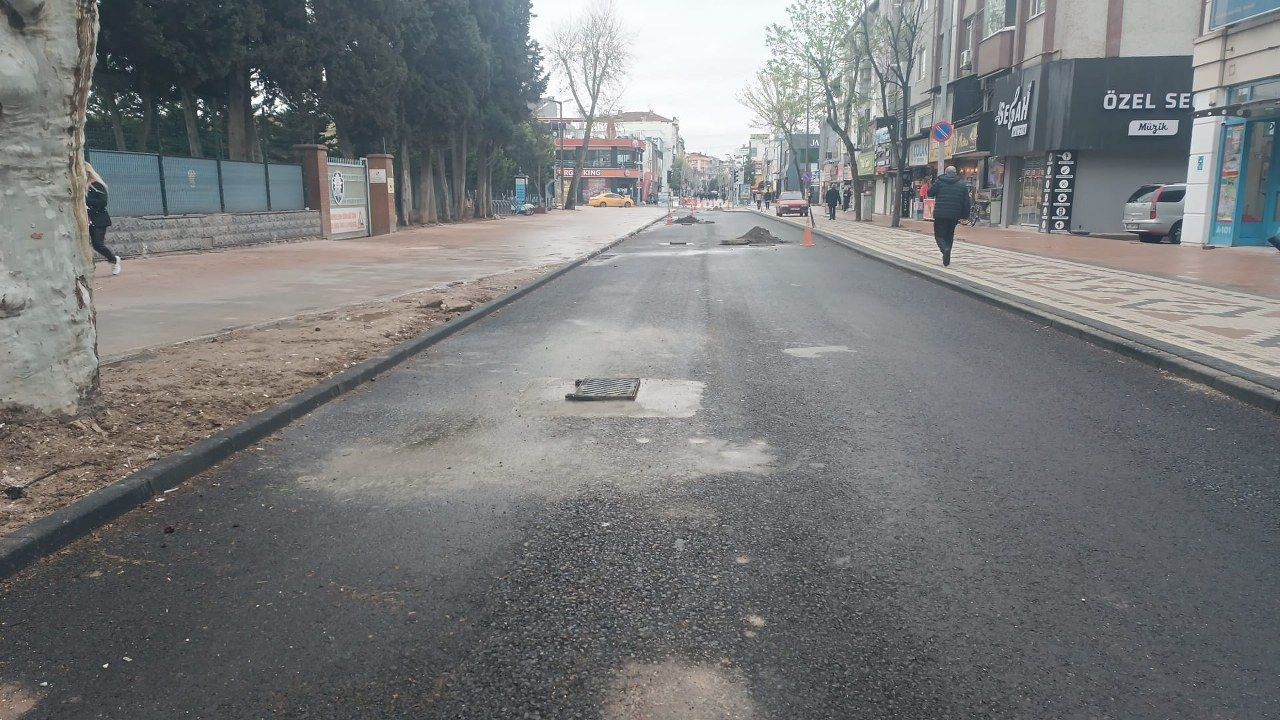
pixel 138 236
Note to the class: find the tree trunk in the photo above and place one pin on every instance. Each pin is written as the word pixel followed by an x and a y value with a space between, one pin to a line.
pixel 579 158
pixel 238 103
pixel 117 122
pixel 190 112
pixel 459 167
pixel 143 143
pixel 427 188
pixel 446 199
pixel 484 208
pixel 404 194
pixel 48 342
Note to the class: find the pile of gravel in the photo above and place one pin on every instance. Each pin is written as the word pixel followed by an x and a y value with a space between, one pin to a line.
pixel 755 236
pixel 691 220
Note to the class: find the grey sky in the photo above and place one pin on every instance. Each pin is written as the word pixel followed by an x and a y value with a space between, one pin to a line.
pixel 690 59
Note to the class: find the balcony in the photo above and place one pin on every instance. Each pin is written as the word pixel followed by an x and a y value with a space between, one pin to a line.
pixel 995 53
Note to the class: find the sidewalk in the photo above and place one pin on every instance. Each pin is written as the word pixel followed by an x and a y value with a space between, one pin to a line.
pixel 1096 281
pixel 168 299
pixel 1253 270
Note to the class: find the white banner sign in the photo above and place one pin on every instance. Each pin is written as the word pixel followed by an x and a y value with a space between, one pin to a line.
pixel 1154 128
pixel 347 220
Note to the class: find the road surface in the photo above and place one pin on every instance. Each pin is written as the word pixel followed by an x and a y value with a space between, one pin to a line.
pixel 844 492
pixel 167 299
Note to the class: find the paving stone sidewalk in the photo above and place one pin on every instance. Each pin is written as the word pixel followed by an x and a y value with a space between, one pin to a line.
pixel 1231 331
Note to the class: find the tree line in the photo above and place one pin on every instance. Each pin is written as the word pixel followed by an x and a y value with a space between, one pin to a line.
pixel 445 85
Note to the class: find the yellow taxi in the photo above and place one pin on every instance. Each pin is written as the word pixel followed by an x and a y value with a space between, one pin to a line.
pixel 609 199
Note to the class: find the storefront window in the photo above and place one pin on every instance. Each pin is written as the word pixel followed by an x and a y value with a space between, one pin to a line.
pixel 1031 191
pixel 1229 177
pixel 1261 141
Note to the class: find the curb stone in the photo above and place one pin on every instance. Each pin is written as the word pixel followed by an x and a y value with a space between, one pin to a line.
pixel 55 531
pixel 1224 380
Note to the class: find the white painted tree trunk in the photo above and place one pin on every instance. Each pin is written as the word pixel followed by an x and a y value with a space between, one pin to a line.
pixel 48 343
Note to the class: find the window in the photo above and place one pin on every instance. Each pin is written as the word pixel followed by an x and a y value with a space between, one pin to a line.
pixel 1035 8
pixel 997 16
pixel 1143 194
pixel 921 64
pixel 1173 194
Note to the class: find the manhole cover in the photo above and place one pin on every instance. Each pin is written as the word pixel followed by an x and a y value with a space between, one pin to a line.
pixel 604 389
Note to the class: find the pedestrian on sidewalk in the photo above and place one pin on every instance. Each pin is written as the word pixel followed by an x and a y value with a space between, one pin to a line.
pixel 99 219
pixel 768 198
pixel 951 205
pixel 833 200
pixel 848 198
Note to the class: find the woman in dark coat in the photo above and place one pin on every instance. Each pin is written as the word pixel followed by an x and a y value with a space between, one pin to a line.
pixel 99 219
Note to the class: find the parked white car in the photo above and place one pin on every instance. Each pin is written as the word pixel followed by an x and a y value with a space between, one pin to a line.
pixel 1154 212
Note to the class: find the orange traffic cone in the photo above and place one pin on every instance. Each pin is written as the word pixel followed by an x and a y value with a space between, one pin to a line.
pixel 808 236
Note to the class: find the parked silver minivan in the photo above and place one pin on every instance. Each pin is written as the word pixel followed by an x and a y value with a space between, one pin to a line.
pixel 1154 212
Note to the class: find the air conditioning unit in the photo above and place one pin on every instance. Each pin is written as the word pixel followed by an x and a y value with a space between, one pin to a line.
pixel 966 59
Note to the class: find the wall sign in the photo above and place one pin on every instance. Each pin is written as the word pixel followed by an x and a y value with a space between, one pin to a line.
pixel 967 138
pixel 1145 101
pixel 1226 12
pixel 1014 114
pixel 1059 192
pixel 377 176
pixel 1153 128
pixel 918 153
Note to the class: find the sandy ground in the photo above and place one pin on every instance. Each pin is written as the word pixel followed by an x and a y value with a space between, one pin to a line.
pixel 167 399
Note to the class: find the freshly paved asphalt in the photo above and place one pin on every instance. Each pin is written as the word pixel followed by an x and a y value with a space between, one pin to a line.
pixel 966 515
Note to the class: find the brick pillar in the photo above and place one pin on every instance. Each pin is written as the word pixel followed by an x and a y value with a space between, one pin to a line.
pixel 315 181
pixel 382 198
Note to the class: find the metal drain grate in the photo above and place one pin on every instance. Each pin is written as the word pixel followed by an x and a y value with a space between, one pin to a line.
pixel 604 389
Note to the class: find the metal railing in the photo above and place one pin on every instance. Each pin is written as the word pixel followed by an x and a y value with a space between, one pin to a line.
pixel 148 184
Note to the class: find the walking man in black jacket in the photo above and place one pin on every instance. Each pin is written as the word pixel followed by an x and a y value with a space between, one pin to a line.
pixel 952 206
pixel 833 201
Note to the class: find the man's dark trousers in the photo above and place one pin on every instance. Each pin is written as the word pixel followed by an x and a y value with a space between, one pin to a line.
pixel 944 233
pixel 831 211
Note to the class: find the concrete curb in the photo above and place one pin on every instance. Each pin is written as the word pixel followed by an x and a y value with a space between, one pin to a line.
pixel 1224 379
pixel 59 529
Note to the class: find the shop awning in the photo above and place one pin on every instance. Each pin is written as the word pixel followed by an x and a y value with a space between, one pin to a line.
pixel 1257 108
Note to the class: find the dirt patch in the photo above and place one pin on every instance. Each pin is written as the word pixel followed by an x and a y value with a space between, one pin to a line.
pixel 755 236
pixel 160 402
pixel 691 220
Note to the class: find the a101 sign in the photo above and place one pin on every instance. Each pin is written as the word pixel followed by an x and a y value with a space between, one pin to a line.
pixel 1226 12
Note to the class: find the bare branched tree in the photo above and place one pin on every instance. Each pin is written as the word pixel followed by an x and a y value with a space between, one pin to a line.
pixel 48 344
pixel 888 35
pixel 820 37
pixel 591 56
pixel 776 96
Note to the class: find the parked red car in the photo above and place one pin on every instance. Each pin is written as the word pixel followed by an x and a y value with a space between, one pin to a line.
pixel 792 203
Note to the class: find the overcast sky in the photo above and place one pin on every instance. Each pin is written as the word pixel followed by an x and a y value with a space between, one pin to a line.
pixel 690 59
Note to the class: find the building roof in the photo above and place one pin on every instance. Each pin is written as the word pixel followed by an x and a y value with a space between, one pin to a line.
pixel 636 116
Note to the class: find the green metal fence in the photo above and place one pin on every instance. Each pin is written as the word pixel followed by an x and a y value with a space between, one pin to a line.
pixel 149 184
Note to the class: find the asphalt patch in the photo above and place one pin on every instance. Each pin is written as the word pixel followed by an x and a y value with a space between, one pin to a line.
pixel 755 236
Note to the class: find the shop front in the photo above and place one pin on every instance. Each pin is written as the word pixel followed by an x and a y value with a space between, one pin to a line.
pixel 1113 125
pixel 918 160
pixel 1246 202
pixel 623 181
pixel 972 159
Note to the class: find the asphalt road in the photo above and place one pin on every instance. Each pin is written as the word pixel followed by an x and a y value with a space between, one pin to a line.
pixel 845 492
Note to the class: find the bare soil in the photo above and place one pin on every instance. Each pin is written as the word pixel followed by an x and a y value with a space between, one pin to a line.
pixel 166 399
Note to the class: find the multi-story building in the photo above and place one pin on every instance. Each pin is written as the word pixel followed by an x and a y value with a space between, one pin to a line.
pixel 1061 108
pixel 631 153
pixel 1233 178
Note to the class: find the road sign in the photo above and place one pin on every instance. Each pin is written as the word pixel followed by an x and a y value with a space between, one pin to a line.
pixel 942 131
